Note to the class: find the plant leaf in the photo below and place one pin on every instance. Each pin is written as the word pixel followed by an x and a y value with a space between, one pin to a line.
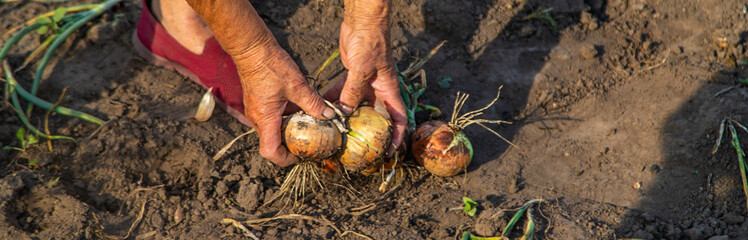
pixel 469 207
pixel 53 182
pixel 59 14
pixel 32 139
pixel 33 163
pixel 42 29
pixel 20 134
pixel 743 80
pixel 444 82
pixel 12 148
pixel 472 212
pixel 44 20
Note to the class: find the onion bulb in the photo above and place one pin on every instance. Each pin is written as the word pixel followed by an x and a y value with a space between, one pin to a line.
pixel 369 136
pixel 442 148
pixel 314 141
pixel 309 138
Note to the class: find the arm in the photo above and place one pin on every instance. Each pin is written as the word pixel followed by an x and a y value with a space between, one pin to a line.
pixel 270 78
pixel 367 54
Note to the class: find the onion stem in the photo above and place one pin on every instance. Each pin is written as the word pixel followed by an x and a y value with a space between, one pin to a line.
pixel 17 108
pixel 66 31
pixel 16 88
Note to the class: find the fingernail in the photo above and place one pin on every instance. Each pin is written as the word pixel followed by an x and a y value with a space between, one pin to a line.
pixel 346 109
pixel 328 113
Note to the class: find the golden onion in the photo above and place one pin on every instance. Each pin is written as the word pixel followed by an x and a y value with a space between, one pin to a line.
pixel 311 138
pixel 369 136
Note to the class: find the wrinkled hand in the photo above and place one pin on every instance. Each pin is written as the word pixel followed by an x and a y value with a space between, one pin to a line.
pixel 366 53
pixel 270 80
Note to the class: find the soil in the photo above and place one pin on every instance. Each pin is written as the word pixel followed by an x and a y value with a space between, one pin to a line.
pixel 613 109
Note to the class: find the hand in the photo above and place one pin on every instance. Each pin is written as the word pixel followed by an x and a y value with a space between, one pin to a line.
pixel 270 79
pixel 366 52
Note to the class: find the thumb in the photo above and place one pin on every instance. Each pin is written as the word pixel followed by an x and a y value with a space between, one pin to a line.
pixel 354 89
pixel 308 100
pixel 271 147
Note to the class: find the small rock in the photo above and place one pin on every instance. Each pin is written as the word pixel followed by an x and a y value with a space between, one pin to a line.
pixel 230 229
pixel 588 21
pixel 102 32
pixel 514 186
pixel 490 222
pixel 693 233
pixel 178 214
pixel 238 169
pixel 221 189
pixel 699 232
pixel 732 218
pixel 588 52
pixel 706 213
pixel 248 196
pixel 647 217
pixel 9 185
pixel 722 237
pixel 651 228
pixel 673 232
pixel 654 168
pixel 233 177
pixel 526 31
pixel 158 221
pixel 643 235
pixel 686 224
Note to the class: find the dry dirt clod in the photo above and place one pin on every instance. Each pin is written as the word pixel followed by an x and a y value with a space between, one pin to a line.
pixel 588 51
pixel 490 222
pixel 248 196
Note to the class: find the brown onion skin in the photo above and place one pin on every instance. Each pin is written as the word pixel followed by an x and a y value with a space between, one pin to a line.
pixel 310 138
pixel 372 126
pixel 430 143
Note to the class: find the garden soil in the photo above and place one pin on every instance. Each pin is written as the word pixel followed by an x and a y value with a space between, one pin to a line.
pixel 613 108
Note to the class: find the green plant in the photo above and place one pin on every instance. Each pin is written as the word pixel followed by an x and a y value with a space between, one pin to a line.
pixel 24 139
pixel 735 142
pixel 529 226
pixel 59 25
pixel 544 14
pixel 469 206
pixel 411 89
pixel 53 182
pixel 33 163
pixel 445 82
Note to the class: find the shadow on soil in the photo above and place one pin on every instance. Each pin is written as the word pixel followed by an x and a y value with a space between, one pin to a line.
pixel 512 59
pixel 696 195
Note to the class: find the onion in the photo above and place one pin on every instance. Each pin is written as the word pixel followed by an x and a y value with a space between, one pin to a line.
pixel 314 141
pixel 442 148
pixel 369 136
pixel 309 138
